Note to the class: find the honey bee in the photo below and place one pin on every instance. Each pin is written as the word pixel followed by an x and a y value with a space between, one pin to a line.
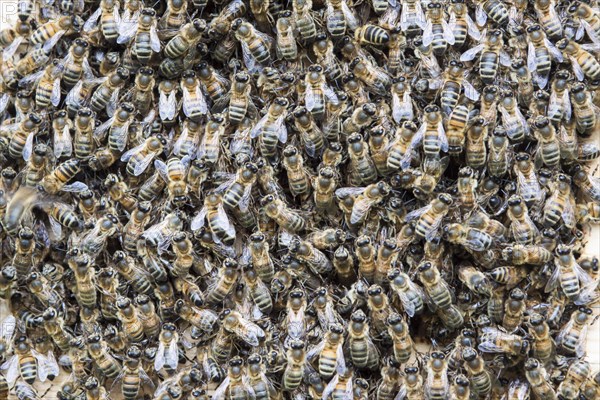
pixel 98 351
pixel 583 108
pixel 571 277
pixel 271 128
pixel 365 199
pixel 284 216
pixel 479 376
pixel 441 298
pixel 255 44
pixel 430 217
pixel 374 78
pixel 167 353
pixel 493 340
pixel 235 385
pixel 214 212
pixel 140 157
pixel 572 335
pixel 491 51
pixel 106 95
pixel 582 62
pixel 236 324
pixel 576 376
pixel 57 180
pixel 330 352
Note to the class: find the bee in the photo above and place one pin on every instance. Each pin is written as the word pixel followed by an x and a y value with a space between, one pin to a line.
pixel 167 101
pixel 98 351
pixel 372 35
pixel 522 227
pixel 401 152
pixel 560 205
pixel 140 157
pixel 236 384
pixel 271 128
pixel 258 380
pixel 167 354
pixel 437 289
pixel 311 134
pixel 437 32
pixel 318 93
pixel 543 345
pixel 259 292
pixel 569 274
pixel 50 33
pixel 491 51
pixel 436 385
pixel 583 108
pixel 582 62
pixel 21 142
pixel 298 178
pixel 286 42
pixel 540 52
pixel 218 221
pixel 430 217
pixel 493 340
pixel 365 199
pixel 22 363
pixel 284 216
pixel 528 186
pixel 106 95
pixel 520 254
pixel 339 18
pixel 476 370
pixel 108 16
pixel 57 180
pixel 590 387
pixel 362 167
pixel 536 376
pixel 571 337
pixel 461 23
pixel 402 105
pixel 330 352
pixel 363 352
pixel 194 103
pixel 83 141
pixel 311 256
pixel 233 322
pixel 374 78
pixel 576 376
pixel 240 103
pixel 255 44
pixel 361 117
pixel 587 184
pixel 499 153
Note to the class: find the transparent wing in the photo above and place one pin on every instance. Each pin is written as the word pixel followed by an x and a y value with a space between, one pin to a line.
pixel 75 187
pixel 50 43
pixel 167 105
pixel 577 69
pixel 349 191
pixel 27 149
pixel 470 91
pixel 554 51
pixel 553 280
pixel 281 128
pixel 219 393
pixel 472 29
pixel 129 153
pixel 224 221
pixel 480 15
pixel 257 130
pixel 143 164
pixel 310 98
pixel 159 361
pixel 172 354
pixel 330 387
pixel 351 19
pixel 92 21
pixel 531 62
pixel 154 40
pixel 416 213
pixel 448 33
pixel 162 169
pixel 12 367
pixel 127 33
pixel 10 50
pixel 471 53
pixel 428 33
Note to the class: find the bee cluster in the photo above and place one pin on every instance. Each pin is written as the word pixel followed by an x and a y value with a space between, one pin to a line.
pixel 273 199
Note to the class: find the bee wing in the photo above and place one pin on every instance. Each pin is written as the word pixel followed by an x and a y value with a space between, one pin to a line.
pixel 143 164
pixel 280 126
pixel 312 353
pixel 349 191
pixel 162 169
pixel 589 29
pixel 249 60
pixel 31 78
pixel 452 20
pixel 295 324
pixel 219 393
pixel 554 51
pixel 531 63
pixel 257 130
pixel 154 40
pixel 330 387
pixel 41 365
pixel 428 33
pixel 10 50
pixel 172 354
pixel 553 280
pixel 330 94
pixel 50 43
pixel 400 109
pixel 75 187
pixel 159 361
pixel 419 15
pixel 127 155
pixel 577 69
pixel 470 91
pixel 92 21
pixel 340 360
pixel 55 228
pixel 351 19
pixel 244 202
pixel 360 209
pixel 443 137
pixel 409 306
pixel 581 341
pixel 127 31
pixel 416 213
pixel 310 98
pixel 448 33
pixel 4 100
pixel 62 142
pixel 249 332
pixel 472 29
pixel 471 53
pixel 27 149
pixel 167 105
pixel 224 220
pixel 12 367
pixel 568 213
pixel 584 279
pixel 480 15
